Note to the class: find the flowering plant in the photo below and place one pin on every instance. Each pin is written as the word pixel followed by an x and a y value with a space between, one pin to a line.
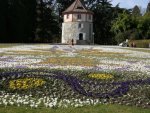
pixel 100 76
pixel 25 83
pixel 68 85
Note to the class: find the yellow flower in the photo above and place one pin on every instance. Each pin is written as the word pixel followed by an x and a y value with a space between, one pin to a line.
pixel 100 76
pixel 26 83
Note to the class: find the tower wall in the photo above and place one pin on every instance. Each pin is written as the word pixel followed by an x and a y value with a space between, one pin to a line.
pixel 81 34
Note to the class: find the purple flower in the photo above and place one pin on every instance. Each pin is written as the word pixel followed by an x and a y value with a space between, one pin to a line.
pixel 148 66
pixel 19 66
pixel 132 62
pixel 123 68
pixel 77 85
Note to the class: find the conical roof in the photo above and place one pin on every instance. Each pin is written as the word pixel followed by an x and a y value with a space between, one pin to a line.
pixel 77 7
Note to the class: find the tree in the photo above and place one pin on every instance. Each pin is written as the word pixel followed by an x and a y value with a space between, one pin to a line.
pixel 122 23
pixel 21 17
pixel 125 27
pixel 148 8
pixel 136 11
pixel 46 24
pixel 3 20
pixel 144 26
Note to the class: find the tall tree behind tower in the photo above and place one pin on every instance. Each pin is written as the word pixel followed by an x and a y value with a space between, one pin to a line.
pixel 148 8
pixel 136 11
pixel 3 20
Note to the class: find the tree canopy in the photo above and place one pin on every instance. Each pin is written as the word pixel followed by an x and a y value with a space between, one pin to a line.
pixel 41 20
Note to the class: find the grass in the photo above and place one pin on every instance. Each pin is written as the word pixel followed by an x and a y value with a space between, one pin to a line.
pixel 7 45
pixel 86 109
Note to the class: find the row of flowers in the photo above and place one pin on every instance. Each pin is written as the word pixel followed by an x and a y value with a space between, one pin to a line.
pixel 66 57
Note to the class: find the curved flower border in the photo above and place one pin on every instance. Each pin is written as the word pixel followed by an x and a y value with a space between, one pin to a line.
pixel 76 84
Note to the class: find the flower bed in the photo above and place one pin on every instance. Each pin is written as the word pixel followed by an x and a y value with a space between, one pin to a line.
pixel 63 76
pixel 57 88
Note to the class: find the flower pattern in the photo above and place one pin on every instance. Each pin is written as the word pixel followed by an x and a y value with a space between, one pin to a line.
pixel 63 76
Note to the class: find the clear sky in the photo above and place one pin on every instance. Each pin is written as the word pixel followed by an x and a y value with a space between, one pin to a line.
pixel 130 3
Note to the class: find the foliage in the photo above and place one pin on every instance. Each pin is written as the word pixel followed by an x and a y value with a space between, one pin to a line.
pixel 144 26
pixel 122 36
pixel 46 22
pixel 136 11
pixel 134 26
pixel 40 21
pixel 140 43
pixel 148 8
pixel 20 20
pixel 122 23
pixel 135 35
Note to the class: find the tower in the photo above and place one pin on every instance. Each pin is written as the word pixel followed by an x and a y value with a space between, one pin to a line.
pixel 78 24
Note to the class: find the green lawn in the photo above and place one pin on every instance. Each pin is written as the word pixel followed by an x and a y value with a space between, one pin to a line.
pixel 86 109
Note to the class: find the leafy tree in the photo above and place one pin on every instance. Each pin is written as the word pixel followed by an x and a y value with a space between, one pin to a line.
pixel 40 20
pixel 122 23
pixel 144 26
pixel 125 27
pixel 122 36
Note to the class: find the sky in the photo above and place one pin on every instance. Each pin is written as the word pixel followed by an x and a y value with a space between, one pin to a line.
pixel 130 3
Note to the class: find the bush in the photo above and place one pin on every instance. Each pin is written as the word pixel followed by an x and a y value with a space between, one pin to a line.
pixel 135 35
pixel 140 43
pixel 122 36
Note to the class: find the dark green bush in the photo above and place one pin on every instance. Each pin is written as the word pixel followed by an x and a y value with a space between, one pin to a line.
pixel 122 36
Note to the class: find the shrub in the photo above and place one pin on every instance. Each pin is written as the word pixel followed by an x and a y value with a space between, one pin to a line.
pixel 140 43
pixel 135 35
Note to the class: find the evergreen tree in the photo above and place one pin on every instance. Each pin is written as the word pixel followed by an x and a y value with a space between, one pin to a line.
pixel 46 22
pixel 21 17
pixel 148 8
pixel 136 11
pixel 3 20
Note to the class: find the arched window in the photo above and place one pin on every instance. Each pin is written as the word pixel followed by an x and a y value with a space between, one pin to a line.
pixel 81 36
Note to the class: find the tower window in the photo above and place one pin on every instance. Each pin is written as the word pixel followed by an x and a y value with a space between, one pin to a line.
pixel 79 16
pixel 79 25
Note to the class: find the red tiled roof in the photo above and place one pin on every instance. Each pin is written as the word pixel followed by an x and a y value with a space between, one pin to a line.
pixel 77 7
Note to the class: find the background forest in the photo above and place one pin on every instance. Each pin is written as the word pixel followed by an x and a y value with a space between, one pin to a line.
pixel 39 21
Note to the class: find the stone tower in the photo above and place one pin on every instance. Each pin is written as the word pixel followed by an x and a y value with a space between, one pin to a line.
pixel 77 25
